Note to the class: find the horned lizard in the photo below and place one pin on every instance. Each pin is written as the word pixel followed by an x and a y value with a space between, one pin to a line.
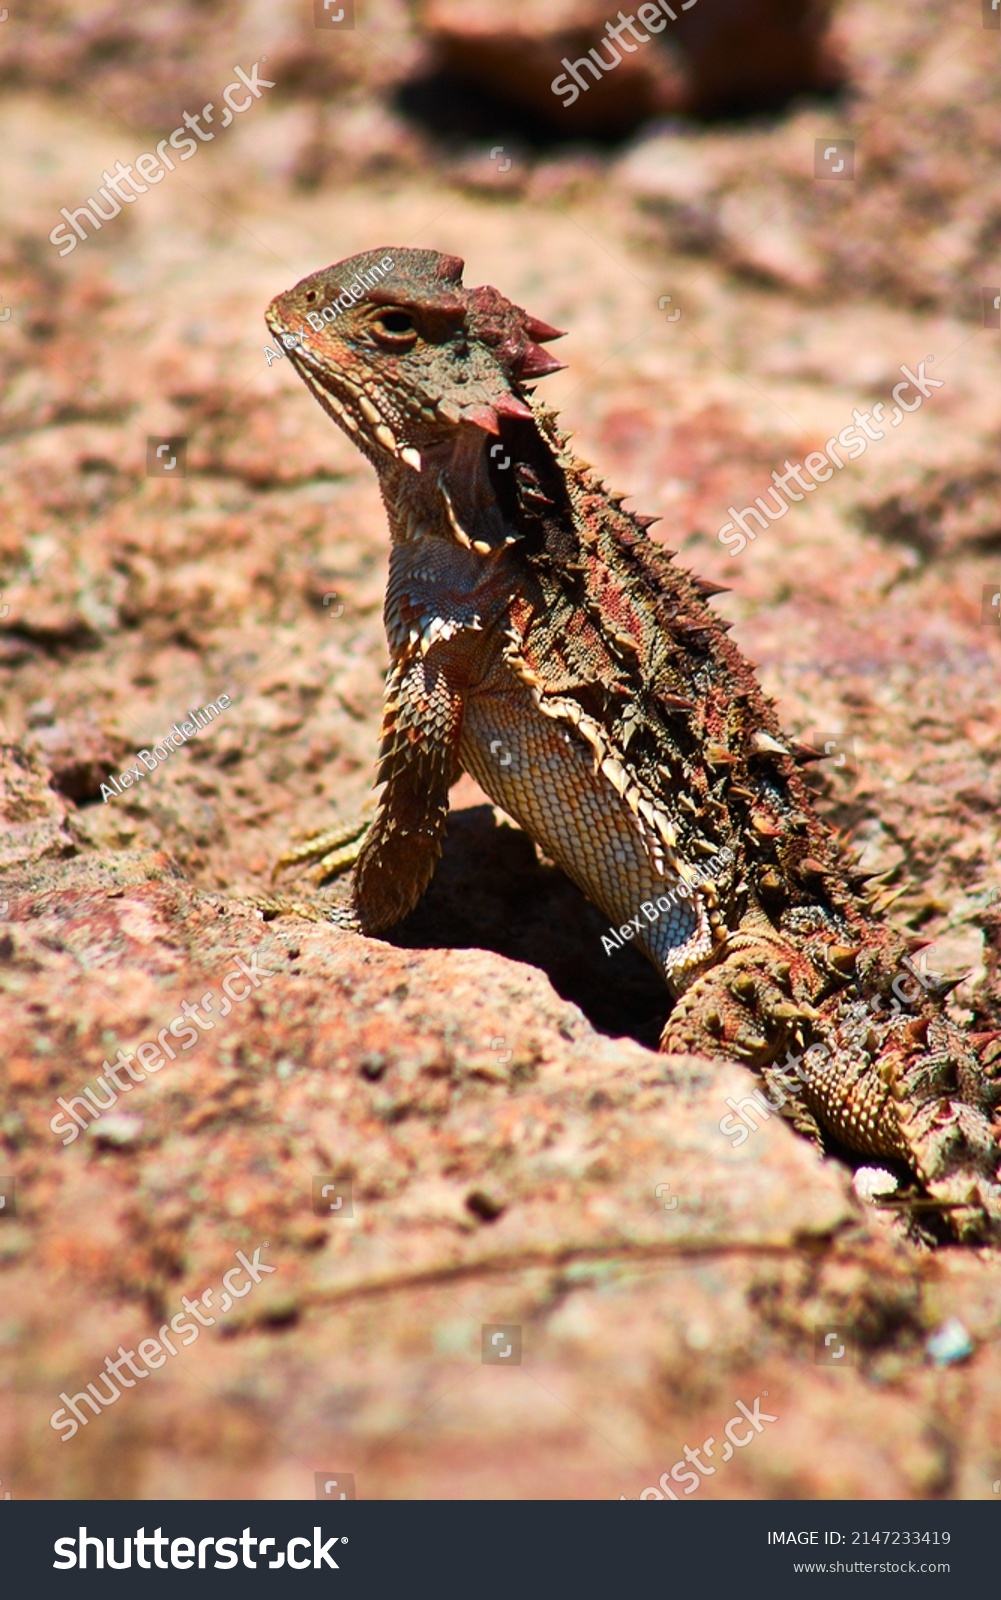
pixel 543 642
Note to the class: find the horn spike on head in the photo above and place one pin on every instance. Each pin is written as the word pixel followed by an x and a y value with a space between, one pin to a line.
pixel 541 331
pixel 508 405
pixel 482 416
pixel 537 363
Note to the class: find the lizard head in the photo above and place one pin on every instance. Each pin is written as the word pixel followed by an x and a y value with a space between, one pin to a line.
pixel 402 356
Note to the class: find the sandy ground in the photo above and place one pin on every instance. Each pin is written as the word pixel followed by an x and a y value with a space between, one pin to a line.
pixel 517 1154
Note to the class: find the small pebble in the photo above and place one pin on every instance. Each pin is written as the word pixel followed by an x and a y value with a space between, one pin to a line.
pixel 119 1130
pixel 870 1183
pixel 486 1204
pixel 950 1343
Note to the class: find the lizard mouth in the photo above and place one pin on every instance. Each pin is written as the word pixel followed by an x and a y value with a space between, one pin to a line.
pixel 345 401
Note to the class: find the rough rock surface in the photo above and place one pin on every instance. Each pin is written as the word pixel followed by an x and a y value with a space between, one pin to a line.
pixel 484 1078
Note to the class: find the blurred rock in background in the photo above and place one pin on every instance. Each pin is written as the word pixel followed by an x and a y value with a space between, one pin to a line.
pixel 730 57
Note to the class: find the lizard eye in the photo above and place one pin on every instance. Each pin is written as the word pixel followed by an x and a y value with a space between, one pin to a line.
pixel 395 327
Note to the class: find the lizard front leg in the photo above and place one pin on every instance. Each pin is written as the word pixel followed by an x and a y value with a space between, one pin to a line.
pixel 333 849
pixel 422 721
